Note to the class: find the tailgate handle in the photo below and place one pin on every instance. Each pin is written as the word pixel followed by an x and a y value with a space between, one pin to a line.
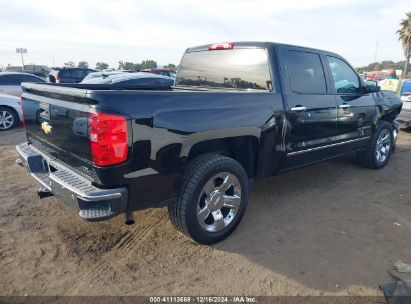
pixel 298 108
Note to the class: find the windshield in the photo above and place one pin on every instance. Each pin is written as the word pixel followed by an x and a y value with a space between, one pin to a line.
pixel 92 76
pixel 233 68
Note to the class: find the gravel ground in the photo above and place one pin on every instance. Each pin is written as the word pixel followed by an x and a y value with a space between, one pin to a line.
pixel 328 229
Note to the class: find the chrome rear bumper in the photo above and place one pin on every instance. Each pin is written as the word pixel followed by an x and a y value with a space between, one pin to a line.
pixel 92 203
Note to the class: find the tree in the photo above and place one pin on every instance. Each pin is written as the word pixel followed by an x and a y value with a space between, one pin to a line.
pixel 148 64
pixel 83 64
pixel 145 64
pixel 101 66
pixel 171 66
pixel 137 67
pixel 383 65
pixel 69 64
pixel 404 35
pixel 129 66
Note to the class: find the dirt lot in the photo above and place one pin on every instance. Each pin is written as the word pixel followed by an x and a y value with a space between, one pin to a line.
pixel 332 228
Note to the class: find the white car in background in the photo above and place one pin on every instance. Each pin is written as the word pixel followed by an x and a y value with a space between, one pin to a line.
pixel 10 82
pixel 404 118
pixel 10 111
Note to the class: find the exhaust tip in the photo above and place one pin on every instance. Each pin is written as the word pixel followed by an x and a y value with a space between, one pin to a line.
pixel 129 218
pixel 42 193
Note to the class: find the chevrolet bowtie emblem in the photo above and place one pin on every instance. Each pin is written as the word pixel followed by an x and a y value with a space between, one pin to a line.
pixel 46 127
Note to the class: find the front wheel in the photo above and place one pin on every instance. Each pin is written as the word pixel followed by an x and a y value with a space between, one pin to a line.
pixel 212 199
pixel 380 148
pixel 8 119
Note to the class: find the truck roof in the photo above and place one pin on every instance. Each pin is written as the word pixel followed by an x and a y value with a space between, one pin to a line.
pixel 256 44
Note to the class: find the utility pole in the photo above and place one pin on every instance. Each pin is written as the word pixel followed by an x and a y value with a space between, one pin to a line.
pixel 22 61
pixel 376 49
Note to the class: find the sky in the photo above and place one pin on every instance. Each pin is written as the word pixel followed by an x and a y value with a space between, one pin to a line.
pixel 57 31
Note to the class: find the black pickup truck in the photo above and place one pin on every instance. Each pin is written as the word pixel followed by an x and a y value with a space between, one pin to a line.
pixel 238 112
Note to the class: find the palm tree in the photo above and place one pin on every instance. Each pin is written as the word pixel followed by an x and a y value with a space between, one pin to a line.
pixel 404 35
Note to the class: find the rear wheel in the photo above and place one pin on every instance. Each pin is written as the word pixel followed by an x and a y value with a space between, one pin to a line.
pixel 8 118
pixel 380 149
pixel 212 199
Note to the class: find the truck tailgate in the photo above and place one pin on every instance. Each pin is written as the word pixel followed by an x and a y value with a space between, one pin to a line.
pixel 58 125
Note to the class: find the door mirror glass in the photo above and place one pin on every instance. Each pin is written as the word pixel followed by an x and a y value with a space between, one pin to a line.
pixel 372 86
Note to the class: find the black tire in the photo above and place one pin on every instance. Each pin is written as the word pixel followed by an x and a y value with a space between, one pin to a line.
pixel 14 116
pixel 183 211
pixel 368 158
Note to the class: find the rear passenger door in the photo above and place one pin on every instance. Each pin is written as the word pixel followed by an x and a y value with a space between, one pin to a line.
pixel 311 108
pixel 356 107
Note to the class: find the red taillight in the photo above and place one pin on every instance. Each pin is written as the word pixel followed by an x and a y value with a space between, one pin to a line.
pixel 108 139
pixel 221 46
pixel 23 120
pixel 58 79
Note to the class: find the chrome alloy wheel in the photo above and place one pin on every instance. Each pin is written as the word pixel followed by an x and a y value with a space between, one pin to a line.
pixel 6 120
pixel 219 202
pixel 383 146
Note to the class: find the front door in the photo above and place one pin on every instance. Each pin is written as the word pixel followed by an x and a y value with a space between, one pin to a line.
pixel 356 107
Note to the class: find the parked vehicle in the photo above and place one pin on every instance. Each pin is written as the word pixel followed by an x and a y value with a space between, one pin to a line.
pixel 164 72
pixel 238 112
pixel 69 75
pixel 11 113
pixel 145 79
pixel 94 75
pixel 405 116
pixel 39 70
pixel 10 82
pixel 375 75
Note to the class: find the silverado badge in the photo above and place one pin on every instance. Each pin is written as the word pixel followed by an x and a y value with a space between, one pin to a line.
pixel 46 127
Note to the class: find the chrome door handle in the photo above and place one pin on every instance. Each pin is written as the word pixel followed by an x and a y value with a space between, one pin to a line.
pixel 298 108
pixel 344 106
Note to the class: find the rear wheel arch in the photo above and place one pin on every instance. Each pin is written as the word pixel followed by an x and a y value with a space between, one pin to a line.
pixel 243 149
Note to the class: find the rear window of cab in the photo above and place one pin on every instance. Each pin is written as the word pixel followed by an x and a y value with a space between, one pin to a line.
pixel 244 69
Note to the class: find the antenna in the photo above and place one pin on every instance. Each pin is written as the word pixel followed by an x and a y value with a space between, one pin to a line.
pixel 376 49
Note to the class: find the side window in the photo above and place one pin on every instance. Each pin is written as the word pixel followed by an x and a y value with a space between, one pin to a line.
pixel 3 80
pixel 65 73
pixel 305 72
pixel 28 78
pixel 75 73
pixel 344 78
pixel 11 80
pixel 78 73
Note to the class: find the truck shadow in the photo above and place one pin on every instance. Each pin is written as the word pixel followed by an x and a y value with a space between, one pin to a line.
pixel 329 226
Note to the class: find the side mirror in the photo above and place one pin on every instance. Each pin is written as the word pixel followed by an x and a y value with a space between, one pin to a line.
pixel 372 86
